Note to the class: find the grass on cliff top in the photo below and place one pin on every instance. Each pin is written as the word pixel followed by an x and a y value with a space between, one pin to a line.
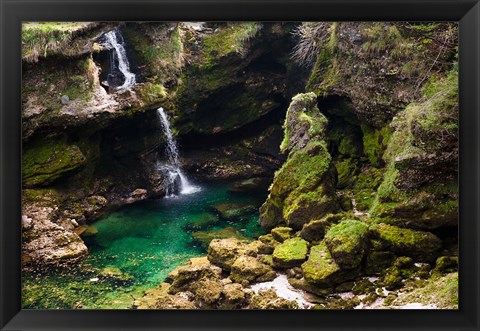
pixel 40 38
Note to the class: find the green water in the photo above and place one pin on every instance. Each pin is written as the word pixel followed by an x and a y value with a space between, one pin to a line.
pixel 144 241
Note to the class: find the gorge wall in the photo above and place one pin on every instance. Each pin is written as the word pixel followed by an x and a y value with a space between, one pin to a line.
pixel 355 125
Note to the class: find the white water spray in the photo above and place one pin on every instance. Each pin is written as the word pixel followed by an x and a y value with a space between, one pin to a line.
pixel 112 42
pixel 173 167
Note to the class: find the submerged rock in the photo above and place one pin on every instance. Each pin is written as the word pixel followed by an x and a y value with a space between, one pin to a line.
pixel 202 221
pixel 256 184
pixel 205 237
pixel 234 210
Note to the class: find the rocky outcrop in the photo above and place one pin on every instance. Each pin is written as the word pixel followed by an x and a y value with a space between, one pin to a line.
pixel 303 189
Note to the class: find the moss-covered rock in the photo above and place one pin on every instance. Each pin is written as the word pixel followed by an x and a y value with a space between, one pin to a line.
pixel 302 189
pixel 446 264
pixel 375 142
pixel 377 262
pixel 292 252
pixel 46 161
pixel 281 233
pixel 321 269
pixel 346 242
pixel 417 244
pixel 419 188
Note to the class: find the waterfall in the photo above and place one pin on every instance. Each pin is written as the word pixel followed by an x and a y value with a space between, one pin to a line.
pixel 173 168
pixel 114 41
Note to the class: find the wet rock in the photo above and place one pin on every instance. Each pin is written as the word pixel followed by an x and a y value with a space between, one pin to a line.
pixel 292 252
pixel 420 245
pixel 363 286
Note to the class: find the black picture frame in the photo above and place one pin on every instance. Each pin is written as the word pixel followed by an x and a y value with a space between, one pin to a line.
pixel 13 12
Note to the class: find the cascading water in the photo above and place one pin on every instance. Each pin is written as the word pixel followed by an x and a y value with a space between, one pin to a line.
pixel 114 41
pixel 173 168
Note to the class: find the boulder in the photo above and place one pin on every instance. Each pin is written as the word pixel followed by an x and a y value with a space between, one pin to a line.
pixel 234 297
pixel 281 233
pixel 346 242
pixel 421 245
pixel 224 252
pixel 250 269
pixel 321 269
pixel 291 253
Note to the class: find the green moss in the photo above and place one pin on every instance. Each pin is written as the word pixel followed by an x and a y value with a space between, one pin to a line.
pixel 281 233
pixel 304 114
pixel 417 244
pixel 159 47
pixel 231 38
pixel 292 252
pixel 45 161
pixel 375 142
pixel 152 93
pixel 378 261
pixel 346 242
pixel 345 170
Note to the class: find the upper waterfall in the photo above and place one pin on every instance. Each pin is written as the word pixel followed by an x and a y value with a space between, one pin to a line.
pixel 173 168
pixel 114 41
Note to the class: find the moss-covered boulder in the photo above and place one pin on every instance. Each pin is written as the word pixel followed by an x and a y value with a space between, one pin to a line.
pixel 291 253
pixel 250 269
pixel 346 242
pixel 420 245
pixel 321 269
pixel 281 233
pixel 48 160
